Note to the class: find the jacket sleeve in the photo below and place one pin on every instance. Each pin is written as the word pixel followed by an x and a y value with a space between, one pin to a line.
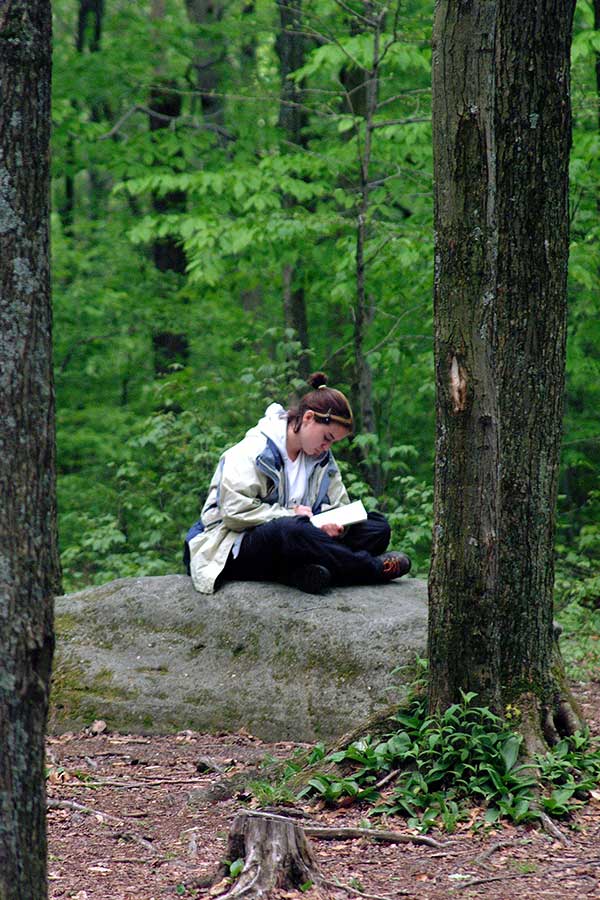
pixel 241 495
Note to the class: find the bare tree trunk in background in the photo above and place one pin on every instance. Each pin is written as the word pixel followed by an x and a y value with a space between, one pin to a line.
pixel 597 27
pixel 89 34
pixel 29 569
pixel 169 256
pixel 210 54
pixel 292 118
pixel 362 100
pixel 502 133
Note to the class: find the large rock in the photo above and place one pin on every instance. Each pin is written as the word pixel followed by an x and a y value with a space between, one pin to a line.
pixel 153 655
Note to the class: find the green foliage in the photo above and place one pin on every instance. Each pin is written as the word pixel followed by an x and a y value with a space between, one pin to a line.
pixel 578 589
pixel 446 763
pixel 252 208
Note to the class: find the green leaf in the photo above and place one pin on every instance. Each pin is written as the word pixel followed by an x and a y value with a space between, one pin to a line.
pixel 236 867
pixel 510 752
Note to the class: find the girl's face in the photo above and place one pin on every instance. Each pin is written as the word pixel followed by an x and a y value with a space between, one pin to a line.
pixel 315 437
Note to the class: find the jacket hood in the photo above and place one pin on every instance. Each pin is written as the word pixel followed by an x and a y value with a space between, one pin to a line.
pixel 274 425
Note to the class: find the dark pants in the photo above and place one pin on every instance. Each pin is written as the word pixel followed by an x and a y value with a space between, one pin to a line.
pixel 273 551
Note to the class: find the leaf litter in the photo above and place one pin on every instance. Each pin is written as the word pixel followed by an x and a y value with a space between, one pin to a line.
pixel 124 824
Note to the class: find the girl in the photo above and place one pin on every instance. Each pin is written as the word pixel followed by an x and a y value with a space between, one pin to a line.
pixel 255 523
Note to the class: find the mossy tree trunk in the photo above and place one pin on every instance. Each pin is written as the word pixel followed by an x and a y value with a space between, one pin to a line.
pixel 502 133
pixel 29 572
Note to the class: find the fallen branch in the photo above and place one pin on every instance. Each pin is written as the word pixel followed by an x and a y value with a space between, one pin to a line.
pixel 346 887
pixel 388 837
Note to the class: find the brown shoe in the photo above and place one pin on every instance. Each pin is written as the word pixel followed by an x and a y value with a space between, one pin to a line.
pixel 393 565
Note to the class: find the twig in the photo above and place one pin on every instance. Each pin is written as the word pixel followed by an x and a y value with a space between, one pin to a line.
pixel 51 803
pixel 499 845
pixel 474 881
pixel 391 122
pixel 163 117
pixel 138 784
pixel 346 887
pixel 128 836
pixel 356 15
pixel 129 860
pixel 388 777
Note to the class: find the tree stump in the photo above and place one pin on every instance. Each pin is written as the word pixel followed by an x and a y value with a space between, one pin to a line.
pixel 276 853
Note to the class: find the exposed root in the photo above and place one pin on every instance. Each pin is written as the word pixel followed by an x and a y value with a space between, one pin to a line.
pixel 552 829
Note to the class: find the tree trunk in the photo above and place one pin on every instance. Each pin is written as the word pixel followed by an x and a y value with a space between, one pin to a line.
pixel 209 55
pixel 292 119
pixel 170 348
pixel 597 27
pixel 502 134
pixel 363 100
pixel 165 108
pixel 89 33
pixel 29 571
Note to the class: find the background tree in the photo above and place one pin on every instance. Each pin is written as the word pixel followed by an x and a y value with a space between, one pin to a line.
pixel 29 572
pixel 501 115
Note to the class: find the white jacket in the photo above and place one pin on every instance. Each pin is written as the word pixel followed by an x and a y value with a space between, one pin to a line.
pixel 249 489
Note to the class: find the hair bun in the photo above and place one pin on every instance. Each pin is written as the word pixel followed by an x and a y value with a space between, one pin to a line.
pixel 317 380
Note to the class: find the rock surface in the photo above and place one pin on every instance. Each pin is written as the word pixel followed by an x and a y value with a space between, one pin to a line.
pixel 153 655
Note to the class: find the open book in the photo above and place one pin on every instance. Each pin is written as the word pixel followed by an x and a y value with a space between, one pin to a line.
pixel 341 515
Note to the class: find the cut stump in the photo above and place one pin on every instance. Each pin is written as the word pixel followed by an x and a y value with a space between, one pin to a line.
pixel 276 853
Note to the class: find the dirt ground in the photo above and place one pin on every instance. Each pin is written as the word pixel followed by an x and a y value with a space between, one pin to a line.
pixel 123 826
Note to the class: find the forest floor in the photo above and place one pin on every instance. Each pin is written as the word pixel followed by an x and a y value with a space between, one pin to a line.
pixel 139 836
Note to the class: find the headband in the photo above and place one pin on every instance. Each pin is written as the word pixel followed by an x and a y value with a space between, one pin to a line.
pixel 329 416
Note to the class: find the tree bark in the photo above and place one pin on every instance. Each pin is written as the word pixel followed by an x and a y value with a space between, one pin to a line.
pixel 29 570
pixel 502 133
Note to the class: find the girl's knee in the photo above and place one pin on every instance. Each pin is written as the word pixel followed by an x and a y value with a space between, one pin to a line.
pixel 380 532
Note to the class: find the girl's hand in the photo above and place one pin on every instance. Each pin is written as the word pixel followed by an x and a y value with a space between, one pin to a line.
pixel 334 531
pixel 303 511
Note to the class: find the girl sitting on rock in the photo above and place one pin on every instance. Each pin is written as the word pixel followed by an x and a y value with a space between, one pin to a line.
pixel 255 523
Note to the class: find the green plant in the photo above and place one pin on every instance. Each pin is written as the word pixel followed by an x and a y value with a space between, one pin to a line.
pixel 271 794
pixel 446 762
pixel 236 867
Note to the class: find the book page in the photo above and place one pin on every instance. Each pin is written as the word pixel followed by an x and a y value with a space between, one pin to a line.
pixel 341 515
